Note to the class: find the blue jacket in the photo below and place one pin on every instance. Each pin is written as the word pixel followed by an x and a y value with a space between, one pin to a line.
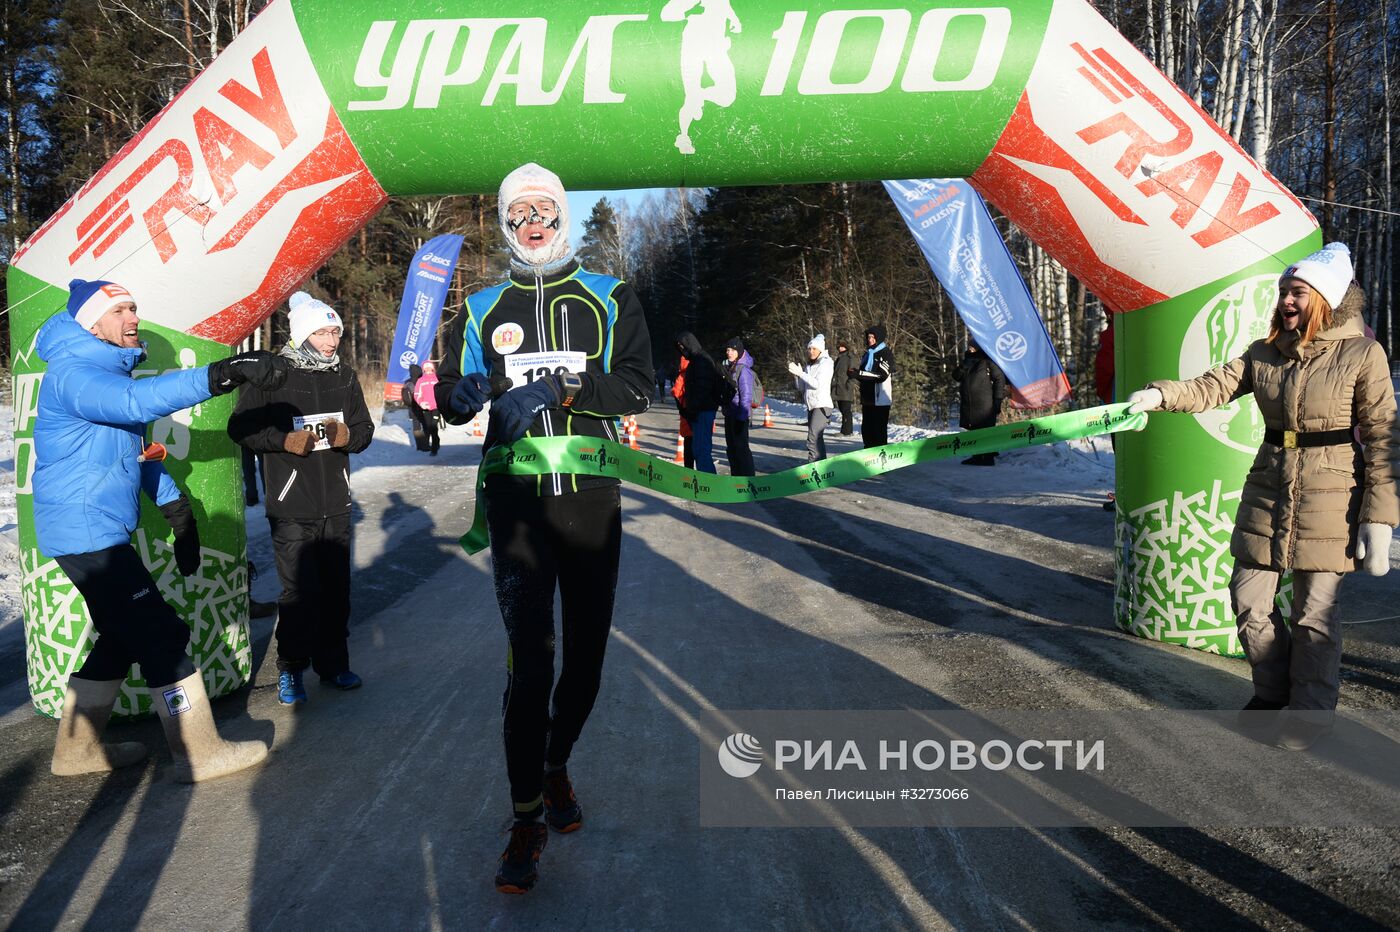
pixel 90 429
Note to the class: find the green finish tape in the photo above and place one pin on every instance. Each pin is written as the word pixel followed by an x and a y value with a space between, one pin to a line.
pixel 537 456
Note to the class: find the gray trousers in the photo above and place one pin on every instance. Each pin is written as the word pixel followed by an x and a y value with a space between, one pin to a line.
pixel 1296 661
pixel 817 419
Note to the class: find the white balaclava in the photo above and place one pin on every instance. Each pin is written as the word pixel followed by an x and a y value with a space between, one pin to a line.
pixel 531 180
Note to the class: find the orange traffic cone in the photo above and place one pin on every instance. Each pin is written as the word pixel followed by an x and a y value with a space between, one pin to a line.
pixel 476 427
pixel 680 448
pixel 767 416
pixel 636 430
pixel 630 425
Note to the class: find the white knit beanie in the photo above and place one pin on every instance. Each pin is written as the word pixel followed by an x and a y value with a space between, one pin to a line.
pixel 531 180
pixel 1328 270
pixel 819 341
pixel 307 315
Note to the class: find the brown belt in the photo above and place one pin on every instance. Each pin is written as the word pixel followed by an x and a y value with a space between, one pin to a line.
pixel 1291 439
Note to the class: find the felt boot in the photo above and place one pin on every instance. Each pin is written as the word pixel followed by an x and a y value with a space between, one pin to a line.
pixel 200 754
pixel 87 706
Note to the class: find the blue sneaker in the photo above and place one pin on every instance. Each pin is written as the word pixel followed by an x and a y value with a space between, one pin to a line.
pixel 290 690
pixel 343 681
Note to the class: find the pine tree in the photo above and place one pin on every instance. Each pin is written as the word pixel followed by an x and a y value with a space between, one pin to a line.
pixel 602 248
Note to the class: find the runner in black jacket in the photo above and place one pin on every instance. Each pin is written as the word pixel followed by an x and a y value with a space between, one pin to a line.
pixel 561 351
pixel 306 431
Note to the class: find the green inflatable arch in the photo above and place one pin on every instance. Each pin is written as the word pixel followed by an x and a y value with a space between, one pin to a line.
pixel 297 134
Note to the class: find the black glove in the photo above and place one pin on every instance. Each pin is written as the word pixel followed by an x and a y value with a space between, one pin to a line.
pixel 181 518
pixel 470 394
pixel 514 412
pixel 259 368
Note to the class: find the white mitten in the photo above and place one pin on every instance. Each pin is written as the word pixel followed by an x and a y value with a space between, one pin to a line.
pixel 794 368
pixel 1145 399
pixel 1373 548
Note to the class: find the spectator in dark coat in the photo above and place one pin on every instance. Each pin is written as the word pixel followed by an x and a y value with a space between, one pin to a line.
pixel 876 380
pixel 699 401
pixel 844 388
pixel 981 391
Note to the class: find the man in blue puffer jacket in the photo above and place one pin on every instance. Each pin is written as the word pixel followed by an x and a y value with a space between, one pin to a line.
pixel 89 474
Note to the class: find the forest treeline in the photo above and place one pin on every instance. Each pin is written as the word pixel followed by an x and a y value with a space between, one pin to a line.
pixel 1303 86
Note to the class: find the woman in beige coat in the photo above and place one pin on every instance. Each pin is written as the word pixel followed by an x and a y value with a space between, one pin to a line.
pixel 1316 502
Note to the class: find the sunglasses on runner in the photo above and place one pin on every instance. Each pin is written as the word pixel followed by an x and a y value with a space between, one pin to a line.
pixel 154 453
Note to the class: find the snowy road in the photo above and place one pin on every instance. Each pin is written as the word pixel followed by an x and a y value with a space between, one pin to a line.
pixel 929 588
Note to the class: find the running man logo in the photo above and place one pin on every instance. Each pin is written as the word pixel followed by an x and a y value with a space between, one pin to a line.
pixel 751 489
pixel 598 456
pixel 740 755
pixel 705 46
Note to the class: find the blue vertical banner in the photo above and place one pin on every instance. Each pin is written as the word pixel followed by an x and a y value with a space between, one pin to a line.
pixel 969 259
pixel 421 308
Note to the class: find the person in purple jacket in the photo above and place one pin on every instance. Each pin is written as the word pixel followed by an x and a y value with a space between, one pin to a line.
pixel 738 406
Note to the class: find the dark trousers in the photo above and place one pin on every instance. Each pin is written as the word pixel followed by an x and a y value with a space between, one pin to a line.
pixel 250 476
pixel 736 446
pixel 425 429
pixel 847 421
pixel 313 612
pixel 985 459
pixel 134 624
pixel 699 446
pixel 538 542
pixel 874 425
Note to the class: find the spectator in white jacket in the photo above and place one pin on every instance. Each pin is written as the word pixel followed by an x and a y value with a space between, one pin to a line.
pixel 814 382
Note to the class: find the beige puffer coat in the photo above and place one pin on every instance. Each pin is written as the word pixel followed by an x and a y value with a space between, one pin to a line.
pixel 1300 508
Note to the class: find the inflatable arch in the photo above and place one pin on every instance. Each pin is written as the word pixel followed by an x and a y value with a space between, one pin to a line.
pixel 297 134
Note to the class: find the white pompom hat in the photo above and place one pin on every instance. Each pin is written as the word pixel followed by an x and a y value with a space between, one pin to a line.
pixel 1328 270
pixel 307 315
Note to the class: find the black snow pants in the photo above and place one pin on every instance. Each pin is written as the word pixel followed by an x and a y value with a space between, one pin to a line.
pixel 134 624
pixel 874 425
pixel 537 542
pixel 313 612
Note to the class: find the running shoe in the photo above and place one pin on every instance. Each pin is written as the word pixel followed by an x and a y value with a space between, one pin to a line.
pixel 520 864
pixel 561 808
pixel 290 690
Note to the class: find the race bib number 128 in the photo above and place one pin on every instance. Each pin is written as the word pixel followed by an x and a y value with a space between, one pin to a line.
pixel 524 368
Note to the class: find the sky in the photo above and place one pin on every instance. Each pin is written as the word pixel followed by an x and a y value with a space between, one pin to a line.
pixel 581 206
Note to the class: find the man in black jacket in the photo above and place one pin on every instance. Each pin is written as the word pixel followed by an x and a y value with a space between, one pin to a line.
pixel 305 431
pixel 559 351
pixel 698 402
pixel 981 390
